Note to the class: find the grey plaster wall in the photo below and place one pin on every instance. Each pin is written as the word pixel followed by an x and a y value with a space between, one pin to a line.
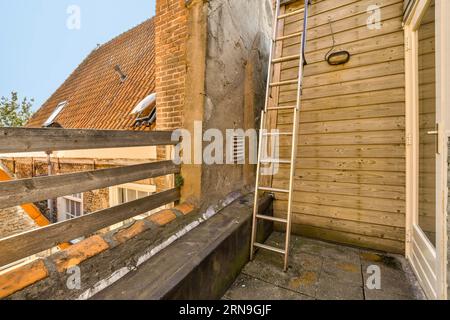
pixel 238 34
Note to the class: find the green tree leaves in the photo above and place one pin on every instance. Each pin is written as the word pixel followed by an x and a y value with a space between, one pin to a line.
pixel 14 113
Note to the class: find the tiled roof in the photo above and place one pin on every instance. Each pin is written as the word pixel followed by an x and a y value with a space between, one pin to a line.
pixel 97 98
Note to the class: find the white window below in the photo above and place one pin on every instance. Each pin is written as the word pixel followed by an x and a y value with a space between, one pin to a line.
pixel 70 207
pixel 130 192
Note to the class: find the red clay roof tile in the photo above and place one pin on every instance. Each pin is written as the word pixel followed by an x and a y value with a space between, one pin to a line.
pixel 96 97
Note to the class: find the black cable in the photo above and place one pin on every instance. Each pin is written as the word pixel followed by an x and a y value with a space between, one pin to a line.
pixel 334 40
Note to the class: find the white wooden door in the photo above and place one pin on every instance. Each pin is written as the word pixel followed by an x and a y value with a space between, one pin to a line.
pixel 426 146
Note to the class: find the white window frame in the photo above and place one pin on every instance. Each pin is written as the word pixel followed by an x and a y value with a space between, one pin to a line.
pixel 114 194
pixel 63 214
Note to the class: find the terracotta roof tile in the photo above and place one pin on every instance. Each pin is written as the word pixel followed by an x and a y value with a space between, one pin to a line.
pixel 97 99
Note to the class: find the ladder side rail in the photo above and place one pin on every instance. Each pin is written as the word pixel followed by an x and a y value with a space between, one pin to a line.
pixel 256 202
pixel 273 45
pixel 261 136
pixel 295 134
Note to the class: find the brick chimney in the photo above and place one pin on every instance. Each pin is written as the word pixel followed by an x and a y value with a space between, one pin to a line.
pixel 170 62
pixel 170 44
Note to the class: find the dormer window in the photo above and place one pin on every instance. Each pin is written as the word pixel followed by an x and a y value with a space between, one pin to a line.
pixel 55 113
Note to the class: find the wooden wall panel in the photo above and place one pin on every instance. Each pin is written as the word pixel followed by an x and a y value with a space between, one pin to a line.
pixel 350 179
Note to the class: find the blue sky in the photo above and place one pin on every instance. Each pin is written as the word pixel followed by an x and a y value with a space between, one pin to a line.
pixel 38 50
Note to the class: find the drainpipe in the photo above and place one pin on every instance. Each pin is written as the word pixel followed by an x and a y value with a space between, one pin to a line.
pixel 49 166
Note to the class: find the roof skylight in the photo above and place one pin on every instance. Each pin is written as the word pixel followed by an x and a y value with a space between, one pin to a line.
pixel 145 111
pixel 144 104
pixel 55 113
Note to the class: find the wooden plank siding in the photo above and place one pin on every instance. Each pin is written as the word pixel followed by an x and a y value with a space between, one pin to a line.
pixel 350 179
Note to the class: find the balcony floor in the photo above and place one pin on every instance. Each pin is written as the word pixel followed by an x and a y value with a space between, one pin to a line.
pixel 323 271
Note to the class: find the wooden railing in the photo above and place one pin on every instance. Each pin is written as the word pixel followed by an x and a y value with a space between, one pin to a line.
pixel 18 192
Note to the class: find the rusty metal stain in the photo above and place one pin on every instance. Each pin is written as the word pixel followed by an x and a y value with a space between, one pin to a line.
pixel 349 267
pixel 371 257
pixel 306 279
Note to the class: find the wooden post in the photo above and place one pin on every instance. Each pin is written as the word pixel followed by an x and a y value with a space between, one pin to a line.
pixel 49 166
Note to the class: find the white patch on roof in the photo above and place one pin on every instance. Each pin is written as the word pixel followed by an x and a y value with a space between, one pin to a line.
pixel 144 104
pixel 55 113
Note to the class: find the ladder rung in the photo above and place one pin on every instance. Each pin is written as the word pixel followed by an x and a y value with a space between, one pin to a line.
pixel 284 83
pixel 273 249
pixel 290 14
pixel 285 59
pixel 277 134
pixel 289 36
pixel 281 108
pixel 273 190
pixel 262 217
pixel 281 161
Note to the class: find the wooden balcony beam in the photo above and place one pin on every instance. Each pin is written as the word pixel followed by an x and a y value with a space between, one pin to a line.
pixel 18 192
pixel 24 245
pixel 14 140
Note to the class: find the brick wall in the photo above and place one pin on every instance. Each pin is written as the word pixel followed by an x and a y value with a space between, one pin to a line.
pixel 14 221
pixel 170 44
pixel 170 59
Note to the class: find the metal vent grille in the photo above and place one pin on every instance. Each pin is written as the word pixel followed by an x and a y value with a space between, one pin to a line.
pixel 238 149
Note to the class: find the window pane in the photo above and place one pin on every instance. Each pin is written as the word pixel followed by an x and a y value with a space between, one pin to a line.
pixel 78 209
pixel 427 123
pixel 131 195
pixel 142 194
pixel 72 208
pixel 122 196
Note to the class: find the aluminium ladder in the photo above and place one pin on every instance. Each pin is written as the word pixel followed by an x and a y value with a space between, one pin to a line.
pixel 263 135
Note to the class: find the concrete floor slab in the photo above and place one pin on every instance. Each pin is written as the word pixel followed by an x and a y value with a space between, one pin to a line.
pixel 395 282
pixel 330 289
pixel 324 271
pixel 262 290
pixel 343 272
pixel 302 276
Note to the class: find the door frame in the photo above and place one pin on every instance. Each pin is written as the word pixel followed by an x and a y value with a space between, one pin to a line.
pixel 438 289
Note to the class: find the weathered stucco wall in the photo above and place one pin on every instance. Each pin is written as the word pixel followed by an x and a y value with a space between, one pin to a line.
pixel 238 44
